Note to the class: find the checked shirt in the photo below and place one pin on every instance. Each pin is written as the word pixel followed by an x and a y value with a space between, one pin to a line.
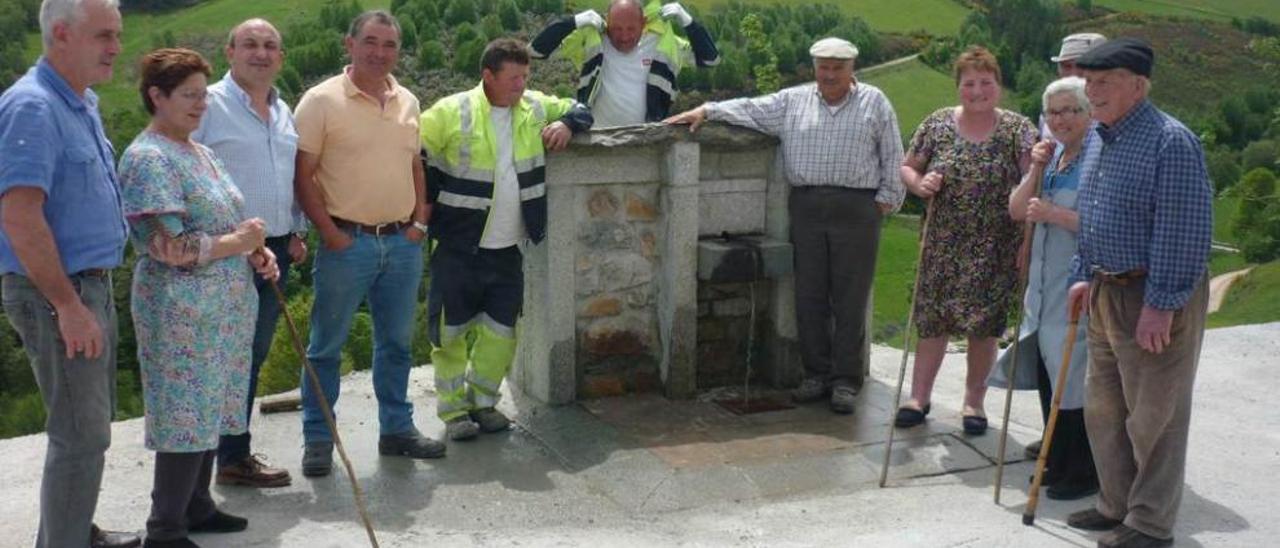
pixel 1146 203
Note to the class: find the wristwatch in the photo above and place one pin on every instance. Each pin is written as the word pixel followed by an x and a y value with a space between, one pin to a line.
pixel 422 227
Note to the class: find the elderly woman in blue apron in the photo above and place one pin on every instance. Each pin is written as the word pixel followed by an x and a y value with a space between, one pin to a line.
pixel 1055 173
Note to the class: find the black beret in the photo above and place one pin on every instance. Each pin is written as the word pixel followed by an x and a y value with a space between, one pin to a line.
pixel 1127 53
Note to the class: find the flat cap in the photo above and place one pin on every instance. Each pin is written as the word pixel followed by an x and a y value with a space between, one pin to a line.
pixel 1133 54
pixel 833 48
pixel 1075 45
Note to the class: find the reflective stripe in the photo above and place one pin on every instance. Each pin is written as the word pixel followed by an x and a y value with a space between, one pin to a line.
pixel 464 149
pixel 536 191
pixel 529 164
pixel 539 111
pixel 450 332
pixel 497 327
pixel 592 51
pixel 468 202
pixel 662 84
pixel 585 80
pixel 444 407
pixel 483 400
pixel 459 172
pixel 450 386
pixel 488 386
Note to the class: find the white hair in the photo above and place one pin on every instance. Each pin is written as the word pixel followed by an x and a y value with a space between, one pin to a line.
pixel 53 12
pixel 1071 85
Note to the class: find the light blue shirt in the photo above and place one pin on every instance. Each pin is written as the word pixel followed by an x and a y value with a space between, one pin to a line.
pixel 52 139
pixel 258 154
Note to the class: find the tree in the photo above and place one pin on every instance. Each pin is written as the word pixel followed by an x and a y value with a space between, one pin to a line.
pixel 464 33
pixel 1260 154
pixel 509 14
pixel 491 27
pixel 466 58
pixel 1256 190
pixel 460 11
pixel 431 55
pixel 764 62
pixel 1223 168
pixel 408 35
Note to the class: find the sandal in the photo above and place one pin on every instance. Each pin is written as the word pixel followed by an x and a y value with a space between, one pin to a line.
pixel 908 417
pixel 975 425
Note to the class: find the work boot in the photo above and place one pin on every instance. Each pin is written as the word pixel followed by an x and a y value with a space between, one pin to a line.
pixel 112 539
pixel 410 444
pixel 220 522
pixel 843 397
pixel 1091 520
pixel 461 428
pixel 1124 536
pixel 810 390
pixel 490 420
pixel 317 459
pixel 253 472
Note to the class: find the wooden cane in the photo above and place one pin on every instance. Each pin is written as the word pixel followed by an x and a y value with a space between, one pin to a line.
pixel 328 415
pixel 1029 513
pixel 1024 253
pixel 906 342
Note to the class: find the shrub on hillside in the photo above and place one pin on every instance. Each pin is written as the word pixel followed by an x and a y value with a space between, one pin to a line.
pixel 1224 169
pixel 431 55
pixel 460 11
pixel 1258 154
pixel 1257 221
pixel 466 58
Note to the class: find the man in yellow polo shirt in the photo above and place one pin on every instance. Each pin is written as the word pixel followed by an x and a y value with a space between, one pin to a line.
pixel 360 181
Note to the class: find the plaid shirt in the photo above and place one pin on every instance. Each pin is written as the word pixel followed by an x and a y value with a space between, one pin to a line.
pixel 1146 203
pixel 855 144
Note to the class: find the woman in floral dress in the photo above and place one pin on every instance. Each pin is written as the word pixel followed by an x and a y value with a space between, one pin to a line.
pixel 966 159
pixel 193 296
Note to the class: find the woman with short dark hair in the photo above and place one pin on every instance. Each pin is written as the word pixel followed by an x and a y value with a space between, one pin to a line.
pixel 193 299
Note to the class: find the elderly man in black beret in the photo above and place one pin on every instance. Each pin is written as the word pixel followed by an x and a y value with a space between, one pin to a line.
pixel 1146 219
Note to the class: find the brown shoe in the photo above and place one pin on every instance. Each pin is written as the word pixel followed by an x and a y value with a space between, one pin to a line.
pixel 99 538
pixel 253 472
pixel 1124 536
pixel 1091 520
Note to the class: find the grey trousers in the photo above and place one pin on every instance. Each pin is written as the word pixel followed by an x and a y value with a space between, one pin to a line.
pixel 1138 406
pixel 836 233
pixel 180 493
pixel 79 397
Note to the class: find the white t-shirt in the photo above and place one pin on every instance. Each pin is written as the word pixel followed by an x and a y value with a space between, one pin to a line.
pixel 506 222
pixel 620 100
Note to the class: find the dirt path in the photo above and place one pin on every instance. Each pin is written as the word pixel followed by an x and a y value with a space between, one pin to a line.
pixel 1219 285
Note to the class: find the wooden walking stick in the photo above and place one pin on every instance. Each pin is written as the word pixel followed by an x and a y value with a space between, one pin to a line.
pixel 1029 513
pixel 1024 254
pixel 906 342
pixel 328 416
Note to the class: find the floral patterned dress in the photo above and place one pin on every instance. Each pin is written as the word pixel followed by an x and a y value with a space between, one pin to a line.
pixel 194 324
pixel 968 270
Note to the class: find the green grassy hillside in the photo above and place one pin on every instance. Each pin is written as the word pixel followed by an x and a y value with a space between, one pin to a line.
pixel 915 91
pixel 895 273
pixel 1252 299
pixel 1222 10
pixel 937 17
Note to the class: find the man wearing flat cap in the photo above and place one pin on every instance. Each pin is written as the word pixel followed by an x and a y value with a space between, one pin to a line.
pixel 841 150
pixel 1145 226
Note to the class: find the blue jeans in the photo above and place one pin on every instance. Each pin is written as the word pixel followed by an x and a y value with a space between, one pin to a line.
pixel 386 270
pixel 234 449
pixel 79 395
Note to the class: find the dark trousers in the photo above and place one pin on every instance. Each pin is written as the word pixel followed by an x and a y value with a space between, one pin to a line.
pixel 233 449
pixel 180 495
pixel 1070 460
pixel 835 232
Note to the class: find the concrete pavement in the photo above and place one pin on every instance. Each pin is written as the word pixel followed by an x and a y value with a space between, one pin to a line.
pixel 643 471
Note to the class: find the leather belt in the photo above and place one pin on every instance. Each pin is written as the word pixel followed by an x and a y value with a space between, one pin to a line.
pixel 92 273
pixel 377 230
pixel 1119 278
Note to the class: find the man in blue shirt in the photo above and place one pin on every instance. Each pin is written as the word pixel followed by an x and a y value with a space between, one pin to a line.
pixel 251 130
pixel 62 230
pixel 1146 221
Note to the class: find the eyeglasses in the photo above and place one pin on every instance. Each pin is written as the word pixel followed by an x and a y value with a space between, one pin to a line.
pixel 1054 113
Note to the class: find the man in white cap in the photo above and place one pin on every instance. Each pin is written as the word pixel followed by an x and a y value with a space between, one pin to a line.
pixel 841 150
pixel 1073 47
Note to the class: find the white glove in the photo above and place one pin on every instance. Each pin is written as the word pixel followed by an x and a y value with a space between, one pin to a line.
pixel 589 18
pixel 675 10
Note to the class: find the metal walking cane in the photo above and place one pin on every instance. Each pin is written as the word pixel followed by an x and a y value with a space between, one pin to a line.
pixel 1029 513
pixel 906 342
pixel 1028 232
pixel 328 415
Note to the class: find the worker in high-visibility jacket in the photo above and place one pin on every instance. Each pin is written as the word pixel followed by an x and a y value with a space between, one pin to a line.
pixel 627 66
pixel 487 189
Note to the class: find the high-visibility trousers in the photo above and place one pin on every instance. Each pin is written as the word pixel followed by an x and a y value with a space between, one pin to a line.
pixel 472 305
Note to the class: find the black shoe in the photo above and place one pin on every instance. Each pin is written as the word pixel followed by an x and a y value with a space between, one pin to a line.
pixel 490 420
pixel 843 399
pixel 112 539
pixel 1068 491
pixel 220 522
pixel 974 425
pixel 1124 536
pixel 810 390
pixel 317 459
pixel 1091 520
pixel 1032 452
pixel 908 417
pixel 410 444
pixel 183 542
